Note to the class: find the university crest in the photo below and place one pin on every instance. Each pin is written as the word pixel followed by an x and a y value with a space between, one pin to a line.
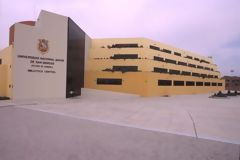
pixel 43 46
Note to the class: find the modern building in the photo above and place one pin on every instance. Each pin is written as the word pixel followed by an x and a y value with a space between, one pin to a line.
pixel 149 68
pixel 45 59
pixel 54 58
pixel 232 83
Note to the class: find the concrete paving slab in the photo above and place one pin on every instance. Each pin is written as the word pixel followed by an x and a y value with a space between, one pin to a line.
pixel 36 135
pixel 191 115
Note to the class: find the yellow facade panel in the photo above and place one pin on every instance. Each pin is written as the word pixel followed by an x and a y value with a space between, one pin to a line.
pixel 152 64
pixel 6 72
pixel 3 80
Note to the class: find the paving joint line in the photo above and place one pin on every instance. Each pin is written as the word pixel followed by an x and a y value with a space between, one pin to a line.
pixel 194 125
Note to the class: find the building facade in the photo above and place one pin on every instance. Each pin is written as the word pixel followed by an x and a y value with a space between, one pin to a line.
pixel 54 58
pixel 232 83
pixel 45 59
pixel 149 68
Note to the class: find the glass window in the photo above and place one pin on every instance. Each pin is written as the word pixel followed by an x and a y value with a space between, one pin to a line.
pixel 178 83
pixel 108 81
pixel 190 83
pixel 207 83
pixel 160 70
pixel 125 68
pixel 185 73
pixel 170 61
pixel 172 71
pixel 127 45
pixel 177 54
pixel 124 56
pixel 154 48
pixel 199 83
pixel 182 63
pixel 158 58
pixel 164 82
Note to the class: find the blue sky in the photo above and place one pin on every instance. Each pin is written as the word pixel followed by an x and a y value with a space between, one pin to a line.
pixel 207 27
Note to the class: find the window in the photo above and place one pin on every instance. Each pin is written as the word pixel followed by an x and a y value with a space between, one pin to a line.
pixel 215 76
pixel 182 63
pixel 170 61
pixel 177 54
pixel 204 61
pixel 214 84
pixel 199 83
pixel 210 76
pixel 106 81
pixel 200 67
pixel 160 70
pixel 125 68
pixel 154 48
pixel 207 83
pixel 206 68
pixel 108 70
pixel 195 74
pixel 185 73
pixel 129 45
pixel 124 56
pixel 190 83
pixel 166 51
pixel 172 71
pixel 196 59
pixel 189 57
pixel 178 83
pixel 192 65
pixel 158 58
pixel 203 75
pixel 164 82
pixel 0 61
pixel 219 84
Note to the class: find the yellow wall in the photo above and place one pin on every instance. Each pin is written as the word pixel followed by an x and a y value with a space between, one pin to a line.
pixel 145 82
pixel 3 80
pixel 6 72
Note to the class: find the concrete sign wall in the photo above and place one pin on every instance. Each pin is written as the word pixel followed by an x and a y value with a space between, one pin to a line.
pixel 40 58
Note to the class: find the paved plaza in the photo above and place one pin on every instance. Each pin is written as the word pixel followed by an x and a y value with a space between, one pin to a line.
pixel 108 125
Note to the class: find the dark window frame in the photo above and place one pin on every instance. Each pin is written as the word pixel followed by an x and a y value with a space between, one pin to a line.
pixel 170 61
pixel 125 45
pixel 182 63
pixel 125 68
pixel 177 54
pixel 124 56
pixel 154 48
pixel 200 67
pixel 178 83
pixel 164 82
pixel 189 57
pixel 196 59
pixel 191 65
pixel 199 83
pixel 207 83
pixel 156 58
pixel 186 73
pixel 194 74
pixel 173 71
pixel 190 83
pixel 109 81
pixel 214 84
pixel 166 51
pixel 160 70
